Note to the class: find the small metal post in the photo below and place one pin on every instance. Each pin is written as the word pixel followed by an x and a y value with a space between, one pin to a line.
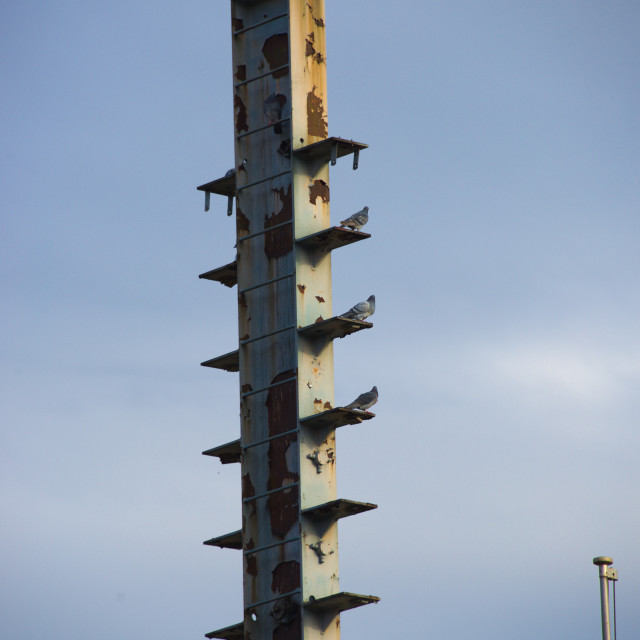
pixel 603 562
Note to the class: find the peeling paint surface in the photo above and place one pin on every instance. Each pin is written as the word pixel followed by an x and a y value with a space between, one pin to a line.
pixel 283 511
pixel 316 116
pixel 276 53
pixel 286 577
pixel 279 242
pixel 280 474
pixel 241 114
pixel 274 465
pixel 242 222
pixel 282 405
pixel 319 189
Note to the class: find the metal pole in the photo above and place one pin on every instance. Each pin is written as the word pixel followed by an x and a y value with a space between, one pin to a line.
pixel 603 562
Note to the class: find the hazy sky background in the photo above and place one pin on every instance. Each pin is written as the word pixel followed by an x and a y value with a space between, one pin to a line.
pixel 503 180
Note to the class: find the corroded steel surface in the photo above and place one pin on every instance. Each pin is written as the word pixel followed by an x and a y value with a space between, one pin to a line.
pixel 283 267
pixel 266 308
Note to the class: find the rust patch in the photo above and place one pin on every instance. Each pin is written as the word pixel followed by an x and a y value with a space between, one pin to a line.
pixel 286 577
pixel 252 566
pixel 246 336
pixel 316 401
pixel 285 148
pixel 319 319
pixel 302 287
pixel 279 473
pixel 241 72
pixel 316 118
pixel 319 58
pixel 242 301
pixel 283 511
pixel 319 298
pixel 279 242
pixel 237 24
pixel 284 612
pixel 288 631
pixel 242 222
pixel 281 403
pixel 327 405
pixel 248 490
pixel 251 544
pixel 309 49
pixel 245 388
pixel 272 108
pixel 276 53
pixel 319 22
pixel 241 114
pixel 319 189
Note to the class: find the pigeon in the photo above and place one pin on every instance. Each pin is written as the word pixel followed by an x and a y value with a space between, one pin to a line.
pixel 364 400
pixel 232 171
pixel 361 310
pixel 272 108
pixel 357 220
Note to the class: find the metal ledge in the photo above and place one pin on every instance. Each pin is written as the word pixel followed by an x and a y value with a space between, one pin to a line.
pixel 227 362
pixel 227 275
pixel 337 327
pixel 234 632
pixel 338 602
pixel 231 540
pixel 337 509
pixel 332 238
pixel 225 186
pixel 325 241
pixel 338 417
pixel 227 453
pixel 323 150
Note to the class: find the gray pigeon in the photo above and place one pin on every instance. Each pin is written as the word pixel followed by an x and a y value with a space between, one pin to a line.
pixel 232 171
pixel 357 220
pixel 364 400
pixel 361 310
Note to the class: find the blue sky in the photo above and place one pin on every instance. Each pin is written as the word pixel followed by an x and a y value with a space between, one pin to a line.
pixel 503 180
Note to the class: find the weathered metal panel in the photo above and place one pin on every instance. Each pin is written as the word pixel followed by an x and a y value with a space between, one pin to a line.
pixel 282 190
pixel 266 320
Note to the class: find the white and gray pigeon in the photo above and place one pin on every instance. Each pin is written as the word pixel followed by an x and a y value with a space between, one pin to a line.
pixel 364 400
pixel 357 220
pixel 362 310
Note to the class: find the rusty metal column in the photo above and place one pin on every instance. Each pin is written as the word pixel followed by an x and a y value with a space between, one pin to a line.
pixel 289 536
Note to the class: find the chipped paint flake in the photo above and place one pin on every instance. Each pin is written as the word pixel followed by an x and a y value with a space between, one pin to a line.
pixel 316 116
pixel 319 189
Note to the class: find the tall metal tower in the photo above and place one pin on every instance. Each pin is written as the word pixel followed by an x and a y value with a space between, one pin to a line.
pixel 286 327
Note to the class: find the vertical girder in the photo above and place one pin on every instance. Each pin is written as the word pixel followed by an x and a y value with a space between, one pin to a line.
pixel 289 534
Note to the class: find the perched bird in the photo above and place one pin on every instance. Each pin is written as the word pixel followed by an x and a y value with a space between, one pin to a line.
pixel 272 108
pixel 364 400
pixel 232 171
pixel 361 310
pixel 357 220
